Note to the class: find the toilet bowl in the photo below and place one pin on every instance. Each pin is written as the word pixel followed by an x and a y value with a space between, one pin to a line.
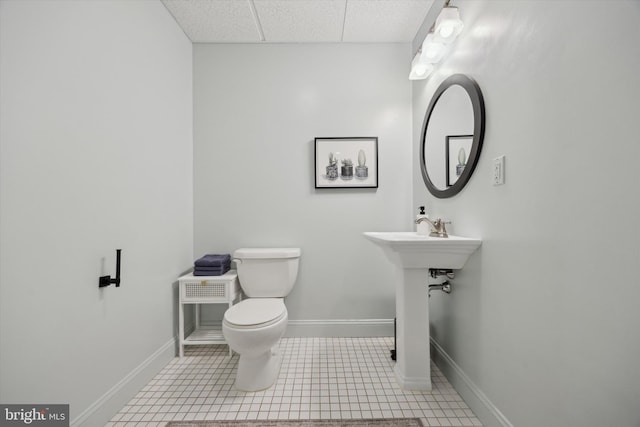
pixel 254 326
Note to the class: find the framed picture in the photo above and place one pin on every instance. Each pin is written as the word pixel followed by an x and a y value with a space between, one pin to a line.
pixel 457 151
pixel 346 162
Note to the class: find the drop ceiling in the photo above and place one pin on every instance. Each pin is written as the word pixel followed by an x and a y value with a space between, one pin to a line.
pixel 299 21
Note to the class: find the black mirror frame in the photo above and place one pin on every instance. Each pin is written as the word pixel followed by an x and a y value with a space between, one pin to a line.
pixel 477 102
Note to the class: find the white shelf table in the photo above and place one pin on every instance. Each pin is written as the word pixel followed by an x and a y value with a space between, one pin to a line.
pixel 199 290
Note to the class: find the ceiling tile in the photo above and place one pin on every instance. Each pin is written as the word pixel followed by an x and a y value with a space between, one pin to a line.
pixel 301 20
pixel 384 20
pixel 223 21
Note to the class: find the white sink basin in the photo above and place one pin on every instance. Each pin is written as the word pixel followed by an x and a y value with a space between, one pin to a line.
pixel 413 255
pixel 412 250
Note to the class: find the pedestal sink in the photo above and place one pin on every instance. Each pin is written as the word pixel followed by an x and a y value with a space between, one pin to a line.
pixel 413 255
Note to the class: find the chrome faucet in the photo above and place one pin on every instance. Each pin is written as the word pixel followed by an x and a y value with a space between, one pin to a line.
pixel 438 228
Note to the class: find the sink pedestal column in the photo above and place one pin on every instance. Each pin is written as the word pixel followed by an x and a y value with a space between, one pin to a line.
pixel 413 364
pixel 413 255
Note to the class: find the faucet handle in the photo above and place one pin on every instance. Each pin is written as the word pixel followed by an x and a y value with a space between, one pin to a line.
pixel 439 229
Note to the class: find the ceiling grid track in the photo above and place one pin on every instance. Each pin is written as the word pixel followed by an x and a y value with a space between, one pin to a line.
pixel 300 21
pixel 344 20
pixel 254 12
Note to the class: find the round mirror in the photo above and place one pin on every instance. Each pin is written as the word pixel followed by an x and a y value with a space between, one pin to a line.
pixel 452 136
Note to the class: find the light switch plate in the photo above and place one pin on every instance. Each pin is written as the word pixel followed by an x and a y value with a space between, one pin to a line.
pixel 498 170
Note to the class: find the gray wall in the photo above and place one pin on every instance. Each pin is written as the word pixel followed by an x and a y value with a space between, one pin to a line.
pixel 543 320
pixel 258 109
pixel 95 154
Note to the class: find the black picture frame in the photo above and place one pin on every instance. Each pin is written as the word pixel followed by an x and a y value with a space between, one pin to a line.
pixel 454 164
pixel 349 162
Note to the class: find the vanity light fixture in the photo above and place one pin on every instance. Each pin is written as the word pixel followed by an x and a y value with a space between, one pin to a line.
pixel 445 30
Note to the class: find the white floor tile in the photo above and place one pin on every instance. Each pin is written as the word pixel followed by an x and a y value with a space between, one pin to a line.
pixel 320 378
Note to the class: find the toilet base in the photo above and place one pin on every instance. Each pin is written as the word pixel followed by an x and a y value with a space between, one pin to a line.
pixel 257 373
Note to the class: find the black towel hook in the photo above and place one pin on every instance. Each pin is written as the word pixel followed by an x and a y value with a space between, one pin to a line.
pixel 107 280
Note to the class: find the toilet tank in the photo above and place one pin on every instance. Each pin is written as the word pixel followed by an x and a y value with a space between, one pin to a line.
pixel 267 272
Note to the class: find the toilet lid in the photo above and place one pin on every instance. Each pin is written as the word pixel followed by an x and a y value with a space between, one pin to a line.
pixel 256 312
pixel 266 253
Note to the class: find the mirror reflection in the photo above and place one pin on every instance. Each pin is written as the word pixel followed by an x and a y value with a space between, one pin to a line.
pixel 452 136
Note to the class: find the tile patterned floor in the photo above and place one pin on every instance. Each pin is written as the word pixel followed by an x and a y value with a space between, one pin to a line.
pixel 320 378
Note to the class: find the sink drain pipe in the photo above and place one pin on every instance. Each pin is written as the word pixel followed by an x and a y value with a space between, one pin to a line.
pixel 437 272
pixel 444 287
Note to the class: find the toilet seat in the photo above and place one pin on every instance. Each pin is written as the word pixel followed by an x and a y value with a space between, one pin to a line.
pixel 255 313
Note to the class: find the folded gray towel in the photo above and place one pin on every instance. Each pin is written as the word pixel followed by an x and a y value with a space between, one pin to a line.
pixel 221 268
pixel 213 260
pixel 209 272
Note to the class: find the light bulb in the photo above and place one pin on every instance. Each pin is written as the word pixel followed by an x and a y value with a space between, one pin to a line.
pixel 448 25
pixel 446 31
pixel 419 69
pixel 432 50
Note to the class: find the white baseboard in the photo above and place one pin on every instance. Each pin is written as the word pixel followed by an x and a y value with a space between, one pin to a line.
pixel 102 410
pixel 340 328
pixel 479 403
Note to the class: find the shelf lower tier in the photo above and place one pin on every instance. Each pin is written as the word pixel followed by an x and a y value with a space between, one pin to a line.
pixel 204 335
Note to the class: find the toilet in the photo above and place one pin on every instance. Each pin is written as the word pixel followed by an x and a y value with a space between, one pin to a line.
pixel 253 327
